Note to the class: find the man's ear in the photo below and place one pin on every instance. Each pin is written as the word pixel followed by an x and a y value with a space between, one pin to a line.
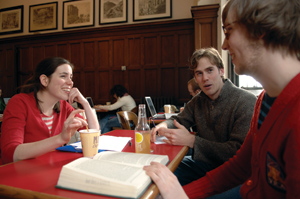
pixel 44 80
pixel 222 71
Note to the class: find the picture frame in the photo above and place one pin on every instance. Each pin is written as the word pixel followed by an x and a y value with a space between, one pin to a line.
pixel 11 20
pixel 112 11
pixel 43 17
pixel 149 9
pixel 78 13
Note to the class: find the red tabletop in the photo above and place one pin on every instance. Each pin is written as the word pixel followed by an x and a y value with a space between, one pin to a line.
pixel 41 174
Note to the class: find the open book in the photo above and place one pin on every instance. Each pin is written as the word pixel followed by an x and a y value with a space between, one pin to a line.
pixel 118 174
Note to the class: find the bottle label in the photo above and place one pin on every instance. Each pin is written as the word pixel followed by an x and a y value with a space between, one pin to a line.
pixel 138 137
pixel 142 142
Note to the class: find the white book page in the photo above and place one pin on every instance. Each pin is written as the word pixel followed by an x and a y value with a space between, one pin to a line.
pixel 140 159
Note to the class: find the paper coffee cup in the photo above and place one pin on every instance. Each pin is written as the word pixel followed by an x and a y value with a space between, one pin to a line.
pixel 89 142
pixel 167 108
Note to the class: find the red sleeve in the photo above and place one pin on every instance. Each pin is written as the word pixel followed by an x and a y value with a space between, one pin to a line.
pixel 201 188
pixel 14 122
pixel 232 173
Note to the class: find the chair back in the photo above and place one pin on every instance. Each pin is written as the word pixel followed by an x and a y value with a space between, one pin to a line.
pixel 135 110
pixel 127 119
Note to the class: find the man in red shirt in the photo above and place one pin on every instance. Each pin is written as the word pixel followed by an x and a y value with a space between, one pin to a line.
pixel 262 37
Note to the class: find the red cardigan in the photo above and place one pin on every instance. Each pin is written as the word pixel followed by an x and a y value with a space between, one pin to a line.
pixel 22 123
pixel 268 163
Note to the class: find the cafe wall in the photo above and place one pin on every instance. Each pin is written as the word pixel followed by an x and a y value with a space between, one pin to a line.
pixel 180 10
pixel 154 52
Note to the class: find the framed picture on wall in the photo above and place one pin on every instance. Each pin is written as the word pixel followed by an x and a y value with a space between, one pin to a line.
pixel 43 17
pixel 112 11
pixel 78 14
pixel 11 20
pixel 149 9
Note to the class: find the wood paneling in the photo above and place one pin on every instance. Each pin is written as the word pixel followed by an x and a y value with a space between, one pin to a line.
pixel 155 54
pixel 205 25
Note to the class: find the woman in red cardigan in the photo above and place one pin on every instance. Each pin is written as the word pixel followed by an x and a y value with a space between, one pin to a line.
pixel 40 119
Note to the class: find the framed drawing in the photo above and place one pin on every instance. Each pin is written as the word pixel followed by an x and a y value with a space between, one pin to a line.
pixel 150 9
pixel 112 11
pixel 43 17
pixel 78 14
pixel 11 20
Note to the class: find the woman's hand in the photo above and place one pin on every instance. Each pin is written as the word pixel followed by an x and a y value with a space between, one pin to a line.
pixel 76 96
pixel 71 125
pixel 165 180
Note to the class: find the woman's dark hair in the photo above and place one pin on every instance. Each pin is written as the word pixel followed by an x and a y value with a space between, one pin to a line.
pixel 45 67
pixel 119 90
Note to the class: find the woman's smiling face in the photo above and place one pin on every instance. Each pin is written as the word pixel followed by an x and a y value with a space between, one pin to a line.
pixel 60 82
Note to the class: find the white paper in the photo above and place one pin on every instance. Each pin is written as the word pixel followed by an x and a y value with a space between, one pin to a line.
pixel 159 139
pixel 107 142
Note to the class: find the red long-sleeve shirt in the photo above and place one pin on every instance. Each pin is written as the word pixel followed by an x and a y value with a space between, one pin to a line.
pixel 22 123
pixel 268 163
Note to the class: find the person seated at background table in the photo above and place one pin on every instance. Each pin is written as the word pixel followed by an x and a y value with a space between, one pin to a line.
pixel 221 114
pixel 2 103
pixel 265 45
pixel 40 119
pixel 193 87
pixel 124 101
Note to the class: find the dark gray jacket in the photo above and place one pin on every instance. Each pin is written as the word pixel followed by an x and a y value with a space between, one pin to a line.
pixel 222 124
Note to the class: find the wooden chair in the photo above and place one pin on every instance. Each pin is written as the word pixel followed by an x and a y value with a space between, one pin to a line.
pixel 135 110
pixel 127 119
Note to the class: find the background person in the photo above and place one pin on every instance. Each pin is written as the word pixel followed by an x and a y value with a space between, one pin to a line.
pixel 265 45
pixel 40 119
pixel 124 101
pixel 221 113
pixel 193 87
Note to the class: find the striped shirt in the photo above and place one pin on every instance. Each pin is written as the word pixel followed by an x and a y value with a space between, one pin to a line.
pixel 48 121
pixel 265 108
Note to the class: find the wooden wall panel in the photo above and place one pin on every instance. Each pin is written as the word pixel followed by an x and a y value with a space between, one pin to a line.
pixel 37 55
pixel 75 53
pixel 103 54
pixel 102 87
pixel 118 78
pixel 25 69
pixel 150 49
pixel 77 79
pixel 205 19
pixel 10 64
pixel 183 77
pixel 118 53
pixel 151 82
pixel 168 79
pixel 89 82
pixel 155 55
pixel 3 69
pixel 7 71
pixel 89 57
pixel 50 51
pixel 63 50
pixel 134 52
pixel 134 87
pixel 185 41
pixel 168 49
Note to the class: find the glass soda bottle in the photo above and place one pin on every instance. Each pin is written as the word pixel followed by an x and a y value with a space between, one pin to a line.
pixel 142 132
